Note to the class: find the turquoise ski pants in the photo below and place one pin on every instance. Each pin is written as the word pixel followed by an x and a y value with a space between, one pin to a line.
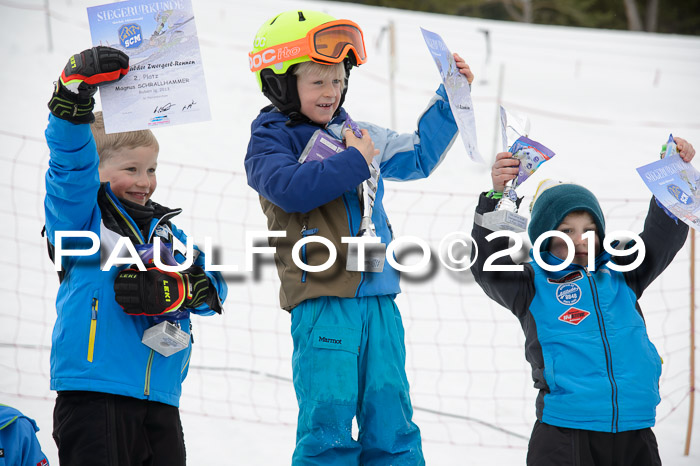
pixel 349 361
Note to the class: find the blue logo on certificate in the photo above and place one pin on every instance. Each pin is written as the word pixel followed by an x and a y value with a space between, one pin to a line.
pixel 130 36
pixel 679 194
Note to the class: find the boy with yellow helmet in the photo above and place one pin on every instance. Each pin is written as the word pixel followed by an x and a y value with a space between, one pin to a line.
pixel 292 38
pixel 349 354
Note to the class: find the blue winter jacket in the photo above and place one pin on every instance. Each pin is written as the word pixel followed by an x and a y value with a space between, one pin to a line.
pixel 95 345
pixel 18 443
pixel 320 198
pixel 585 335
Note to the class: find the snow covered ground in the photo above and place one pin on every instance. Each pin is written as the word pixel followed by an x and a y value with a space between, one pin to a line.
pixel 604 101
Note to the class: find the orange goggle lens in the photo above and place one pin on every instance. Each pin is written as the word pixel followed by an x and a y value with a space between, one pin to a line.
pixel 328 43
pixel 333 43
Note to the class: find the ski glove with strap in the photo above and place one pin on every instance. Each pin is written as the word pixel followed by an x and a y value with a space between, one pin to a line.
pixel 72 98
pixel 157 292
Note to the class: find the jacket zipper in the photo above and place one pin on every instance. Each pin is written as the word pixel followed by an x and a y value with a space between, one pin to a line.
pixel 147 385
pixel 304 233
pixel 129 221
pixel 189 356
pixel 187 362
pixel 608 352
pixel 137 234
pixel 350 232
pixel 93 327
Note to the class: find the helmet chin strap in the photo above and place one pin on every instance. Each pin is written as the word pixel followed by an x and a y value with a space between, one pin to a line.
pixel 347 64
pixel 281 90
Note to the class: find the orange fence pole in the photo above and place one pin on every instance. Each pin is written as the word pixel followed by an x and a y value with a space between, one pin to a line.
pixel 692 343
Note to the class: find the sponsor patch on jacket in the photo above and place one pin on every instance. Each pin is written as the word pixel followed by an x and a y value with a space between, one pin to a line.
pixel 2 452
pixel 570 277
pixel 43 462
pixel 568 293
pixel 574 316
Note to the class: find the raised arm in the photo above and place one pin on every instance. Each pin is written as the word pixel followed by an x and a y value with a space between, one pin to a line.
pixel 72 179
pixel 663 236
pixel 511 289
pixel 415 155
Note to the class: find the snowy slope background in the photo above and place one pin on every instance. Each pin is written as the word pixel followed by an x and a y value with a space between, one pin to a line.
pixel 604 101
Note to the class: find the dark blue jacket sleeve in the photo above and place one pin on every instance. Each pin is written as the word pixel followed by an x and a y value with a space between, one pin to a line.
pixel 513 290
pixel 663 237
pixel 274 171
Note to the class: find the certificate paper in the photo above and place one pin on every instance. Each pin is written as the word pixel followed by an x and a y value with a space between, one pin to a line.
pixel 457 88
pixel 165 84
pixel 675 184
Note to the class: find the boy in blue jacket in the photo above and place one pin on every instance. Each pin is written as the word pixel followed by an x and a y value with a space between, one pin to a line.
pixel 596 369
pixel 349 354
pixel 18 443
pixel 117 401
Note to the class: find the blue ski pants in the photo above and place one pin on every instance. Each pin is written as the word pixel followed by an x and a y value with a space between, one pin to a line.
pixel 349 361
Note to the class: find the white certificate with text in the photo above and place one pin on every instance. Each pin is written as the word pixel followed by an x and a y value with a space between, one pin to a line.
pixel 165 84
pixel 458 92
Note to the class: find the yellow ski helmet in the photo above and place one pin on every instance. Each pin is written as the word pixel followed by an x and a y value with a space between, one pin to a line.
pixel 299 36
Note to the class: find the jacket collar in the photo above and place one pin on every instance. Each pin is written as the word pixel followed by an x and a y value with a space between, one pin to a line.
pixel 116 215
pixel 271 114
pixel 550 259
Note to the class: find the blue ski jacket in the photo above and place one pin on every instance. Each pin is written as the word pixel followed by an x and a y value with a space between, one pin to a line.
pixel 18 443
pixel 320 198
pixel 95 345
pixel 585 335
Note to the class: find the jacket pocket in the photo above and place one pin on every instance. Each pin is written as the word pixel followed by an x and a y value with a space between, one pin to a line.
pixel 549 372
pixel 657 364
pixel 186 359
pixel 94 308
pixel 304 233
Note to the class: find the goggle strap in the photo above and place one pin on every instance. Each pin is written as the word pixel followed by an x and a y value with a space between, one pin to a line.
pixel 279 53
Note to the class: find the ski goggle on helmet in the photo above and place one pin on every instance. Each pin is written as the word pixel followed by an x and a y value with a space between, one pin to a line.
pixel 298 36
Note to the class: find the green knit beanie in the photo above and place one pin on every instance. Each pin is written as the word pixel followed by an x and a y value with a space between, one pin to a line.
pixel 552 205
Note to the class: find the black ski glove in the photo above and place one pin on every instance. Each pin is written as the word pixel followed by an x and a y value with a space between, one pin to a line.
pixel 157 292
pixel 72 98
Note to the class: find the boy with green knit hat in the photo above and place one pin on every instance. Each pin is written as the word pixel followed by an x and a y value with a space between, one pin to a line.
pixel 596 369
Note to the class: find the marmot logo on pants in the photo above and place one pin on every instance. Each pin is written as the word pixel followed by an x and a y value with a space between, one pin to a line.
pixel 329 340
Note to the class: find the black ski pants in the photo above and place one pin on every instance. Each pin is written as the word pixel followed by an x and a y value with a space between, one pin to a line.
pixel 560 446
pixel 101 429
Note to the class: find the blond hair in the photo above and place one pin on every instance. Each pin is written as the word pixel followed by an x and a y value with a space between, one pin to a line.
pixel 335 71
pixel 107 144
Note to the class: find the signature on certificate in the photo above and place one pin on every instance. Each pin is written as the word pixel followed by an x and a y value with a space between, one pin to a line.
pixel 189 106
pixel 163 108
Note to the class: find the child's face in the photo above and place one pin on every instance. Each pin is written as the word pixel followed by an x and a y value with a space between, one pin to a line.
pixel 319 96
pixel 574 226
pixel 131 173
